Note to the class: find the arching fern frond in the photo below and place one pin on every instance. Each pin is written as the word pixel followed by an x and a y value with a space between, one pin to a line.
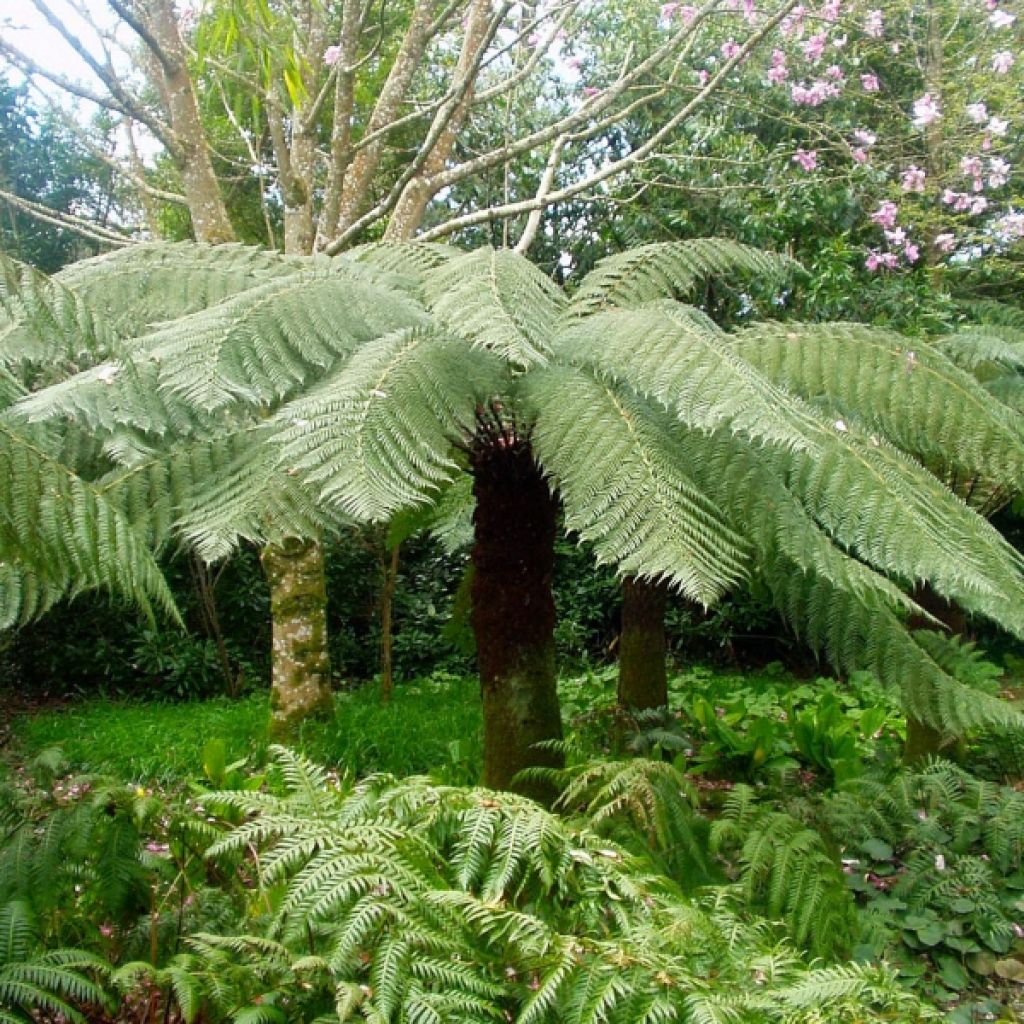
pixel 379 436
pixel 616 464
pixel 499 300
pixel 264 344
pixel 59 535
pixel 688 367
pixel 904 389
pixel 665 270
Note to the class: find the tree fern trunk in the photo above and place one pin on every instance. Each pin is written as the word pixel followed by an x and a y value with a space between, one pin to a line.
pixel 924 741
pixel 643 679
pixel 300 685
pixel 514 614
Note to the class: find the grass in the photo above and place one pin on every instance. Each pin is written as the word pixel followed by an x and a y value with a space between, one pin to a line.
pixel 431 725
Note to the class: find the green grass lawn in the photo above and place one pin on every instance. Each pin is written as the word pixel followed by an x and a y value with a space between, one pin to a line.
pixel 431 725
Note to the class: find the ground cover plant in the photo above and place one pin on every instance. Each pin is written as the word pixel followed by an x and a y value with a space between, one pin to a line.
pixel 296 889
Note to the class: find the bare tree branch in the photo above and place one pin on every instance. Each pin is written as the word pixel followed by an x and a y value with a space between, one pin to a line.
pixel 67 221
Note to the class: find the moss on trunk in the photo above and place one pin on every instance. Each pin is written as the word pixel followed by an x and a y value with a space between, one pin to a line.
pixel 643 677
pixel 513 614
pixel 300 685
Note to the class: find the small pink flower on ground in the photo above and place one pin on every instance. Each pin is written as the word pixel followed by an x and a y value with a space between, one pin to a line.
pixel 835 72
pixel 873 24
pixel 865 138
pixel 913 179
pixel 869 83
pixel 667 10
pixel 997 126
pixel 911 253
pixel 703 75
pixel 946 242
pixel 978 206
pixel 778 74
pixel 895 236
pixel 859 155
pixel 977 112
pixel 331 55
pixel 806 158
pixel 1001 19
pixel 730 49
pixel 831 10
pixel 926 110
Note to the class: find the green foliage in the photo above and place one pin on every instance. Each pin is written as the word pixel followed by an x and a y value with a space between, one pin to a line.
pixel 465 904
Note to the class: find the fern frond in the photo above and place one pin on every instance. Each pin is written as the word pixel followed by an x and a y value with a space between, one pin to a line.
pixel 665 270
pixel 974 347
pixel 499 300
pixel 379 436
pixel 60 535
pixel 665 355
pixel 262 345
pixel 618 468
pixel 907 390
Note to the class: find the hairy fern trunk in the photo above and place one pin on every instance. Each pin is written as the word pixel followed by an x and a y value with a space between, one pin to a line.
pixel 513 614
pixel 643 677
pixel 301 671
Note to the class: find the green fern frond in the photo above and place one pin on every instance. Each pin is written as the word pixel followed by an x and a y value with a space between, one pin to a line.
pixel 667 356
pixel 500 301
pixel 617 466
pixel 61 536
pixel 410 260
pixel 990 344
pixel 379 436
pixel 263 344
pixel 664 270
pixel 906 390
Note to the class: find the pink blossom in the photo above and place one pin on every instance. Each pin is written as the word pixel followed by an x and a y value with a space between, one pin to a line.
pixel 997 126
pixel 688 13
pixel 778 58
pixel 926 110
pixel 702 76
pixel 813 95
pixel 971 166
pixel 1012 224
pixel 895 236
pixel 749 10
pixel 913 179
pixel 911 253
pixel 590 90
pixel 1001 19
pixel 864 137
pixel 814 47
pixel 331 55
pixel 859 155
pixel 869 82
pixel 946 242
pixel 806 158
pixel 106 929
pixel 999 172
pixel 977 112
pixel 1002 62
pixel 835 72
pixel 979 204
pixel 667 10
pixel 778 74
pixel 886 214
pixel 730 49
pixel 831 10
pixel 873 24
pixel 794 22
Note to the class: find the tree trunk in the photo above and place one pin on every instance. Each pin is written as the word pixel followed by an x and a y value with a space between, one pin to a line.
pixel 514 614
pixel 300 685
pixel 924 741
pixel 643 679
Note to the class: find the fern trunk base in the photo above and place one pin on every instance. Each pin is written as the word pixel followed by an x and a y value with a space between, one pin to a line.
pixel 643 676
pixel 300 685
pixel 513 616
